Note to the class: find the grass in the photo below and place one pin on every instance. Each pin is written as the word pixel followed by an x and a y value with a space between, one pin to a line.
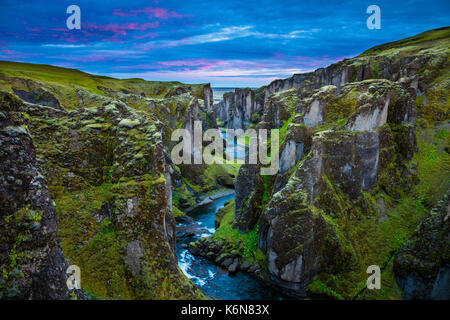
pixel 248 247
pixel 63 82
pixel 418 42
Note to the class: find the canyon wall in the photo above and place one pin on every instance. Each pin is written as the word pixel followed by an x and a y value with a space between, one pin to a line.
pixel 95 161
pixel 363 158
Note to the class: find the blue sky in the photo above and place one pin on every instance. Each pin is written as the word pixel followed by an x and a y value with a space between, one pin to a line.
pixel 227 43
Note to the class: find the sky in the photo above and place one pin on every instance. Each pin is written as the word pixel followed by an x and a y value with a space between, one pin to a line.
pixel 226 43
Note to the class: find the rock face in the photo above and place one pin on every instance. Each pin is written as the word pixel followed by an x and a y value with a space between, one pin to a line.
pixel 299 242
pixel 293 233
pixel 237 107
pixel 347 144
pixel 292 153
pixel 372 64
pixel 293 238
pixel 249 194
pixel 112 185
pixel 108 171
pixel 33 264
pixel 207 96
pixel 422 266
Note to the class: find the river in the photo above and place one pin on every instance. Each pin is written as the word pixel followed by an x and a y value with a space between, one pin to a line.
pixel 214 281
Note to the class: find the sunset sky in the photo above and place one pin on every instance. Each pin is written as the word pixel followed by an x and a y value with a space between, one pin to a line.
pixel 227 43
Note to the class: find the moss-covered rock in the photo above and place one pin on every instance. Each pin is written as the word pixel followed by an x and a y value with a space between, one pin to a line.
pixel 32 263
pixel 422 265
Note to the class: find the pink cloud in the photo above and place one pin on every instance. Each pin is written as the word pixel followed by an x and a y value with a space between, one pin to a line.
pixel 180 65
pixel 33 29
pixel 113 39
pixel 147 35
pixel 69 40
pixel 151 12
pixel 121 28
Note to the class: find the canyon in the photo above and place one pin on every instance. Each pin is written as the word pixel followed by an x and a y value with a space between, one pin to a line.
pixel 86 179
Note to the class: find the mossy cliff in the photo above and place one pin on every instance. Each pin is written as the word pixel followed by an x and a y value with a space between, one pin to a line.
pixel 101 145
pixel 31 260
pixel 418 60
pixel 363 158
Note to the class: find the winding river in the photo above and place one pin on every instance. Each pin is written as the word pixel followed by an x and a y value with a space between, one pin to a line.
pixel 214 281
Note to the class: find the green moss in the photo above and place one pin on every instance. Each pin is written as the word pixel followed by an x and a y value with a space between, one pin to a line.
pixel 248 242
pixel 129 123
pixel 317 287
pixel 177 213
pixel 422 41
pixel 97 242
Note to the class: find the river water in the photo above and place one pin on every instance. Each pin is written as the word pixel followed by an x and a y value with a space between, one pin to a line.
pixel 214 281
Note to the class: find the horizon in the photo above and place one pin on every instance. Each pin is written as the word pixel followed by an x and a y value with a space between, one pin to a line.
pixel 229 45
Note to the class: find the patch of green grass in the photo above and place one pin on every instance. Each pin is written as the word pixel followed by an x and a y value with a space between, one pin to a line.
pixel 418 42
pixel 63 83
pixel 248 247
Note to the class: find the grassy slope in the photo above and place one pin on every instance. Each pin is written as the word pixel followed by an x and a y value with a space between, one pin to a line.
pixel 432 39
pixel 63 81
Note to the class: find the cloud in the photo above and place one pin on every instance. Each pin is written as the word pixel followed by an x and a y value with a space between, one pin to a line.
pixel 228 33
pixel 54 45
pixel 283 66
pixel 151 12
pixel 121 28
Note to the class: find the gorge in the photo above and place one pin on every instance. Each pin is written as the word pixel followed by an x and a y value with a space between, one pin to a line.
pixel 86 179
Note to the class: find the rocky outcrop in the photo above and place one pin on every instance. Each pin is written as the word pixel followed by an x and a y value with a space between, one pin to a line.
pixel 249 195
pixel 207 96
pixel 293 233
pixel 109 174
pixel 394 65
pixel 219 252
pixel 110 177
pixel 295 239
pixel 335 147
pixel 237 107
pixel 33 264
pixel 34 93
pixel 422 265
pixel 278 109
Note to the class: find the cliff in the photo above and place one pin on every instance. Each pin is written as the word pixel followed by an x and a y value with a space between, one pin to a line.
pixel 363 158
pixel 90 153
pixel 402 60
